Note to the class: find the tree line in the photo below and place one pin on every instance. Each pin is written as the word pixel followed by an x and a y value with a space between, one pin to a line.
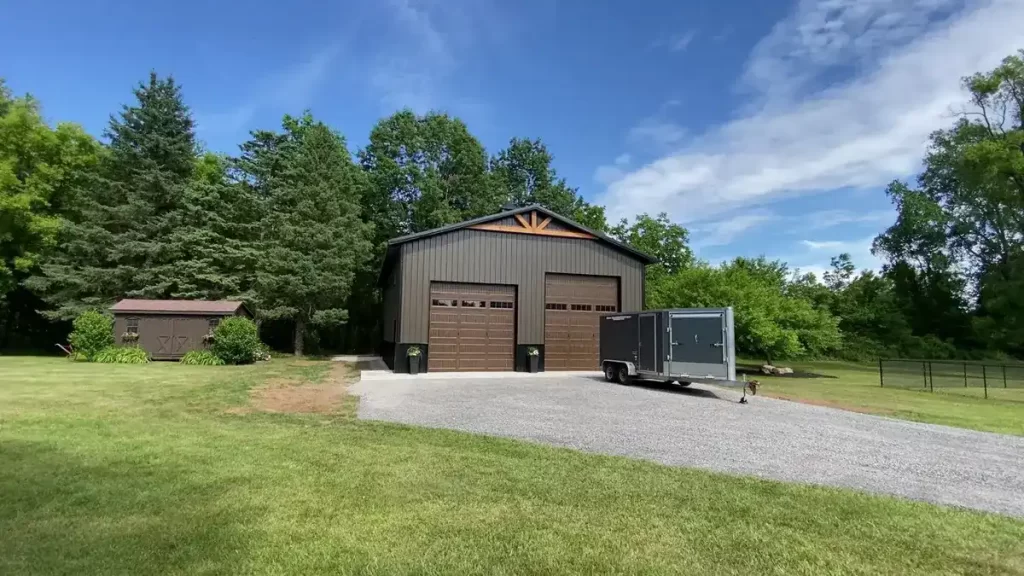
pixel 296 225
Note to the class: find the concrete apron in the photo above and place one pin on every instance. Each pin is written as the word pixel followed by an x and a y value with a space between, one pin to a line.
pixel 368 375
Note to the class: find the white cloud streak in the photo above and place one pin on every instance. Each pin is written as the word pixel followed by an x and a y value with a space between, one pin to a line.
pixel 682 42
pixel 287 90
pixel 725 231
pixel 861 133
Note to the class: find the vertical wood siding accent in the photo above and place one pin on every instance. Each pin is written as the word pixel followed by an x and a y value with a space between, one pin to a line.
pixel 521 260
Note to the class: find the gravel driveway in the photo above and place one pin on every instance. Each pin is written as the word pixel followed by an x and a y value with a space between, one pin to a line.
pixel 705 427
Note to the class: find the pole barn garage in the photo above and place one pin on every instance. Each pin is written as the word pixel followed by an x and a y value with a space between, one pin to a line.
pixel 477 295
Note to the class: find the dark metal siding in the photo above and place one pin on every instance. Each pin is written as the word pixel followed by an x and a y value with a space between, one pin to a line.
pixel 391 299
pixel 521 260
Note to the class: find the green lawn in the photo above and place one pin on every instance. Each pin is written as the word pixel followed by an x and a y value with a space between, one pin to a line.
pixel 856 387
pixel 167 469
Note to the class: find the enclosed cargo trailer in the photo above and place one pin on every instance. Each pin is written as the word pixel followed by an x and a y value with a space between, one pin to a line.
pixel 682 345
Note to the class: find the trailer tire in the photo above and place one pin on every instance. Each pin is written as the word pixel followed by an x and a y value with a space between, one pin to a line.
pixel 623 375
pixel 684 384
pixel 611 372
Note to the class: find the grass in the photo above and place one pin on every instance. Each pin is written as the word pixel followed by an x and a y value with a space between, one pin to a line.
pixel 856 387
pixel 161 469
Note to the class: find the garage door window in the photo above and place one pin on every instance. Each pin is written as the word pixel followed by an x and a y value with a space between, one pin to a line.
pixel 444 303
pixel 554 306
pixel 501 304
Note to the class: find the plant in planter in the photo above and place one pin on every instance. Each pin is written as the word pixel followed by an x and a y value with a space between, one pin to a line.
pixel 533 356
pixel 208 338
pixel 414 353
pixel 130 338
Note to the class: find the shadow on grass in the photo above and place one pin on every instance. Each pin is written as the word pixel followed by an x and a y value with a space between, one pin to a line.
pixel 62 513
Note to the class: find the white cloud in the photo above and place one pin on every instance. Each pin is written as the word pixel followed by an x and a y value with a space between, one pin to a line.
pixel 657 131
pixel 681 42
pixel 725 231
pixel 826 33
pixel 623 159
pixel 419 59
pixel 818 255
pixel 823 219
pixel 288 90
pixel 825 245
pixel 405 75
pixel 861 133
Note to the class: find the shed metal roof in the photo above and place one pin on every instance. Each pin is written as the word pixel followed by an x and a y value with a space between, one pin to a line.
pixel 178 306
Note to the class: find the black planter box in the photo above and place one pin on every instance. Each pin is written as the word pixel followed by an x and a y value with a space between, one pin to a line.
pixel 414 364
pixel 534 362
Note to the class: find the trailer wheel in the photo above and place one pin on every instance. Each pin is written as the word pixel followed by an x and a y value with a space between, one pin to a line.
pixel 623 376
pixel 610 372
pixel 684 384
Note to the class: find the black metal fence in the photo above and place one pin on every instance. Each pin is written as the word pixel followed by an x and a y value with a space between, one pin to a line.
pixel 950 375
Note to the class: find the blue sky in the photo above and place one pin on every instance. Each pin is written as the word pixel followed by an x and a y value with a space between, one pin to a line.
pixel 766 127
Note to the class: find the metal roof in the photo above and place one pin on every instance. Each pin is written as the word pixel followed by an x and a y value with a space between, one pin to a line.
pixel 178 306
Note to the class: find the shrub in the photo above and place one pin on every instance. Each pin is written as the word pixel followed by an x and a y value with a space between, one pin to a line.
pixel 121 355
pixel 201 358
pixel 92 332
pixel 235 341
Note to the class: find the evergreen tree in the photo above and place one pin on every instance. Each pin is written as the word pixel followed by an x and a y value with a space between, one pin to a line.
pixel 214 248
pixel 118 245
pixel 315 239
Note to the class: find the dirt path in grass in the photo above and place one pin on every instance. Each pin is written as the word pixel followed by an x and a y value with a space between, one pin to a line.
pixel 295 396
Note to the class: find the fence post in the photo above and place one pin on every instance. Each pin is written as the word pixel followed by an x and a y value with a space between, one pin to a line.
pixel 1004 375
pixel 881 375
pixel 965 374
pixel 924 372
pixel 931 380
pixel 984 379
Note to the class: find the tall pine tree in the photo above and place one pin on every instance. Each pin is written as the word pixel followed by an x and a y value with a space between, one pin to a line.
pixel 315 238
pixel 118 246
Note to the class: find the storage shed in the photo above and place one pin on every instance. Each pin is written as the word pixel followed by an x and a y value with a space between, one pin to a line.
pixel 168 329
pixel 475 296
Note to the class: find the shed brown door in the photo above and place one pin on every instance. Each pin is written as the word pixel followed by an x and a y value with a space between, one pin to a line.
pixel 472 327
pixel 573 306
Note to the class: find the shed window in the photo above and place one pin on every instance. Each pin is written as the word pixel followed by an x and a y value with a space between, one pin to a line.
pixel 213 322
pixel 501 304
pixel 553 306
pixel 131 325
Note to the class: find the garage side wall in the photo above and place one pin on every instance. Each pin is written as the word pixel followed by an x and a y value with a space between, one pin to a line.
pixel 391 298
pixel 520 260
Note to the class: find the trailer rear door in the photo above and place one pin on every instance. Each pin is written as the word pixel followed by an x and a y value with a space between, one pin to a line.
pixel 698 345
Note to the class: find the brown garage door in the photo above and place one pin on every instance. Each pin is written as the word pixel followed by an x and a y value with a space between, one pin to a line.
pixel 472 327
pixel 572 308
